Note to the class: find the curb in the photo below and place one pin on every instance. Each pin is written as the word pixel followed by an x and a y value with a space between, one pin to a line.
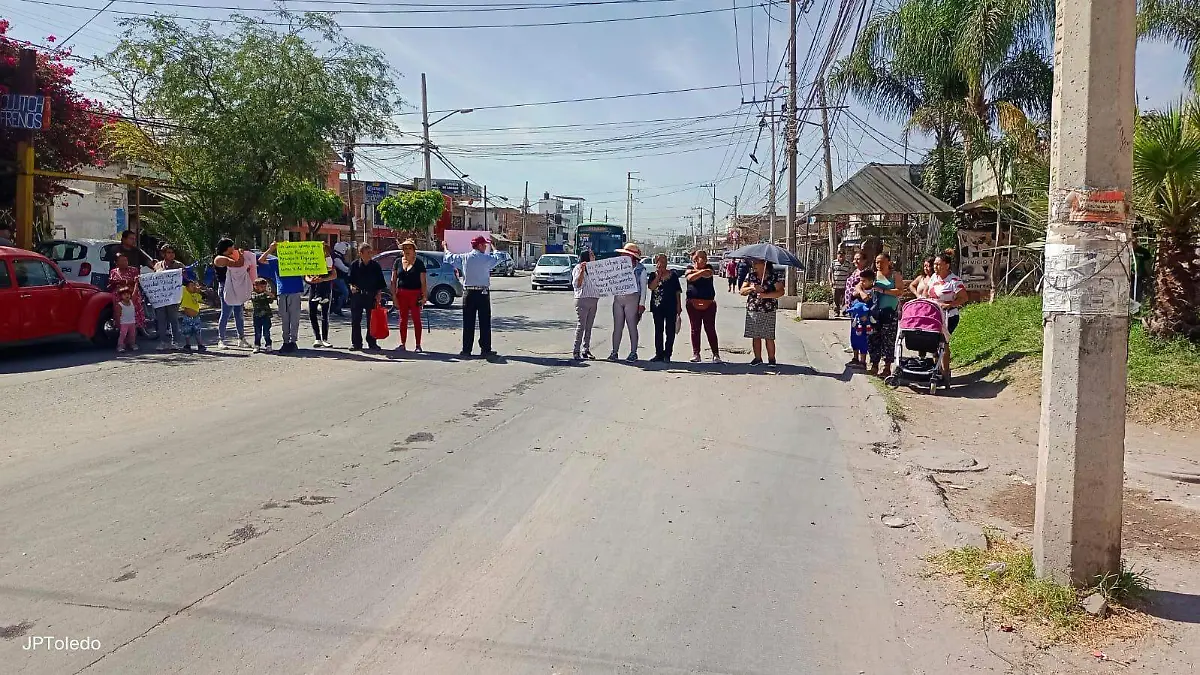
pixel 923 487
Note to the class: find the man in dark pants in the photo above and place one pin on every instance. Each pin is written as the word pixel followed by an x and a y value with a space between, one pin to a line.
pixel 476 268
pixel 366 288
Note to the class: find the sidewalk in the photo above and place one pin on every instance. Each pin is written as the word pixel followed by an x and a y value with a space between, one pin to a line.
pixel 980 441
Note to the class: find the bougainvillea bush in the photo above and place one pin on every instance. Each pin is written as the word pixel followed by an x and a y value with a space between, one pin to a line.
pixel 75 138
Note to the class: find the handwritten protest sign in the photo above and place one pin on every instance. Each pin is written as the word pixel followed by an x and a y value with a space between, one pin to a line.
pixel 612 276
pixel 301 258
pixel 162 288
pixel 459 241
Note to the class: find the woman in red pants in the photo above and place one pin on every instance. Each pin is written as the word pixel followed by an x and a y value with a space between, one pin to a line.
pixel 702 305
pixel 409 291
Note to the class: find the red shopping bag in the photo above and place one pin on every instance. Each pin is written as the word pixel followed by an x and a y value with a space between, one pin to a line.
pixel 379 324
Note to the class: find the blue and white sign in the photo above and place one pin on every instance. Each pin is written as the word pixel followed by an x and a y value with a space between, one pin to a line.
pixel 375 192
pixel 20 111
pixel 119 220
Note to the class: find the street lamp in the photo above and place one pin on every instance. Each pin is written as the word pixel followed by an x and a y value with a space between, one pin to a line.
pixel 746 168
pixel 452 113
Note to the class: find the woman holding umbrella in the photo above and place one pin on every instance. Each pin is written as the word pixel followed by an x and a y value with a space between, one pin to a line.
pixel 763 288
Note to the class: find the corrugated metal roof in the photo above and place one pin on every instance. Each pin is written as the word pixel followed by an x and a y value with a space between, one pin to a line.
pixel 880 189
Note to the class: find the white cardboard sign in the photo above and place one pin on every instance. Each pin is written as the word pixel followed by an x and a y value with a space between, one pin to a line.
pixel 459 241
pixel 162 288
pixel 612 276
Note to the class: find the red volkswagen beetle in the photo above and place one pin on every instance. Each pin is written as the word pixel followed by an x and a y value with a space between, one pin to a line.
pixel 37 304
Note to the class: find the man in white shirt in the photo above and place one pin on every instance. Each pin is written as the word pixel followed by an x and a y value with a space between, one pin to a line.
pixel 628 309
pixel 586 303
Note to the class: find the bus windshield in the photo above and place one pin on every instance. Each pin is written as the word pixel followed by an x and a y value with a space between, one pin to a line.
pixel 602 240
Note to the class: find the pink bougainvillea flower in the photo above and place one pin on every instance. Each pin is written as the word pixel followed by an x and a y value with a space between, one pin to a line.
pixel 50 38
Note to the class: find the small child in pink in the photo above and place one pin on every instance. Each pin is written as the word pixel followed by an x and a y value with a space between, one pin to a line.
pixel 126 318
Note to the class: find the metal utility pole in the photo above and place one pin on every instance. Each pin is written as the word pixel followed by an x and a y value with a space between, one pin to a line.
pixel 828 165
pixel 26 84
pixel 348 155
pixel 1085 303
pixel 486 225
pixel 791 131
pixel 425 132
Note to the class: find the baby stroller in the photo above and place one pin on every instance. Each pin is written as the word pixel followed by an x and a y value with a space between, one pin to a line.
pixel 922 330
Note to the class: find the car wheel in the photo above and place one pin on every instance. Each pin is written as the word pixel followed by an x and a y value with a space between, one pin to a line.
pixel 106 330
pixel 442 297
pixel 533 287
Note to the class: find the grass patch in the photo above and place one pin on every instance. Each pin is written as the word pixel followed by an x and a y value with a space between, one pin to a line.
pixel 1053 610
pixel 895 409
pixel 996 336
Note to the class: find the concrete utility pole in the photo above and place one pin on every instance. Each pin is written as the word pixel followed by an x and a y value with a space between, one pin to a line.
pixel 774 171
pixel 791 131
pixel 628 205
pixel 425 133
pixel 713 244
pixel 487 226
pixel 828 166
pixel 1081 438
pixel 524 220
pixel 26 84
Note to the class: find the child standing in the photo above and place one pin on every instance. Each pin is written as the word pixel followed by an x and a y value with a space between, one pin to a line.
pixel 261 300
pixel 862 324
pixel 191 325
pixel 126 318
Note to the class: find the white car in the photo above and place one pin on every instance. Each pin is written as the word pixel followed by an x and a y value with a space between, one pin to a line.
pixel 85 260
pixel 553 269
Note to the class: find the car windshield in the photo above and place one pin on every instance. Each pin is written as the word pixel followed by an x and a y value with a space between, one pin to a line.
pixel 554 261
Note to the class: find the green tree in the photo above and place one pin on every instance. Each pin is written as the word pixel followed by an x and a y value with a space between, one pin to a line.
pixel 231 115
pixel 413 213
pixel 299 200
pixel 1166 182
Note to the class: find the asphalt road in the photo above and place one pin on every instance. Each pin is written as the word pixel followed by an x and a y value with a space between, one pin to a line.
pixel 336 512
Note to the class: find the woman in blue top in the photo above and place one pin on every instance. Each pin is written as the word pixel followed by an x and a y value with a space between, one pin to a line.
pixel 888 285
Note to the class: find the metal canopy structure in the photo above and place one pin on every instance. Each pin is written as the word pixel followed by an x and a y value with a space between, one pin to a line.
pixel 880 189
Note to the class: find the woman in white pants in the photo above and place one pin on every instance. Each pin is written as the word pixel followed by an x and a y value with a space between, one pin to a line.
pixel 586 301
pixel 628 309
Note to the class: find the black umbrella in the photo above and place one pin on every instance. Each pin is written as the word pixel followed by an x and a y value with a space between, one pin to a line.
pixel 769 252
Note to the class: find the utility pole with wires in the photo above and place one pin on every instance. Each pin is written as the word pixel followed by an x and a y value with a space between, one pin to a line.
pixel 428 148
pixel 348 156
pixel 792 132
pixel 524 220
pixel 628 205
pixel 774 171
pixel 828 165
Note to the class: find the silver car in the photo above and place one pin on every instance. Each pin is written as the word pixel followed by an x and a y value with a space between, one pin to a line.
pixel 553 269
pixel 440 278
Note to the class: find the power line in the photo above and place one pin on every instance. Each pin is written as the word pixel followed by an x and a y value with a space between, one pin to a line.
pixel 588 99
pixel 409 8
pixel 538 24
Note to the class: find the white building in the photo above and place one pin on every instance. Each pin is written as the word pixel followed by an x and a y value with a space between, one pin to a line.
pixel 560 221
pixel 95 209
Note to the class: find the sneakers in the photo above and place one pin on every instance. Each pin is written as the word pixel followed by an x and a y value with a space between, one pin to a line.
pixel 317 344
pixel 326 343
pixel 243 344
pixel 134 346
pixel 613 356
pixel 257 349
pixel 632 357
pixel 657 359
pixel 716 358
pixel 201 348
pixel 756 361
pixel 695 359
pixel 589 356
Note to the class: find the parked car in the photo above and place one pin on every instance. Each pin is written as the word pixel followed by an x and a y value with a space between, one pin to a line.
pixel 86 261
pixel 39 304
pixel 507 268
pixel 553 270
pixel 444 285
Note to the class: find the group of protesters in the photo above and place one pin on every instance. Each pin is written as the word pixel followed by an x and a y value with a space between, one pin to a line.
pixel 662 291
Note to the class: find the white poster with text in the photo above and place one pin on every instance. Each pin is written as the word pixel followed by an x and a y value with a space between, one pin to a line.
pixel 162 288
pixel 612 276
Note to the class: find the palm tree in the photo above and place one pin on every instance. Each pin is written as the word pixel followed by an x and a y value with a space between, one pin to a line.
pixel 1166 182
pixel 1178 22
pixel 945 65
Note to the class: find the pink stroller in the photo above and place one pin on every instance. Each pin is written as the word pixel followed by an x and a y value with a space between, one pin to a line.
pixel 922 330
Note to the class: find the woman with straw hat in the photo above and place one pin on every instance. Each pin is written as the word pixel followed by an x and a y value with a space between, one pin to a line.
pixel 628 308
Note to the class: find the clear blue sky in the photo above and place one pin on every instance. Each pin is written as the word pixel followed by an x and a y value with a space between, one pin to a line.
pixel 498 66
